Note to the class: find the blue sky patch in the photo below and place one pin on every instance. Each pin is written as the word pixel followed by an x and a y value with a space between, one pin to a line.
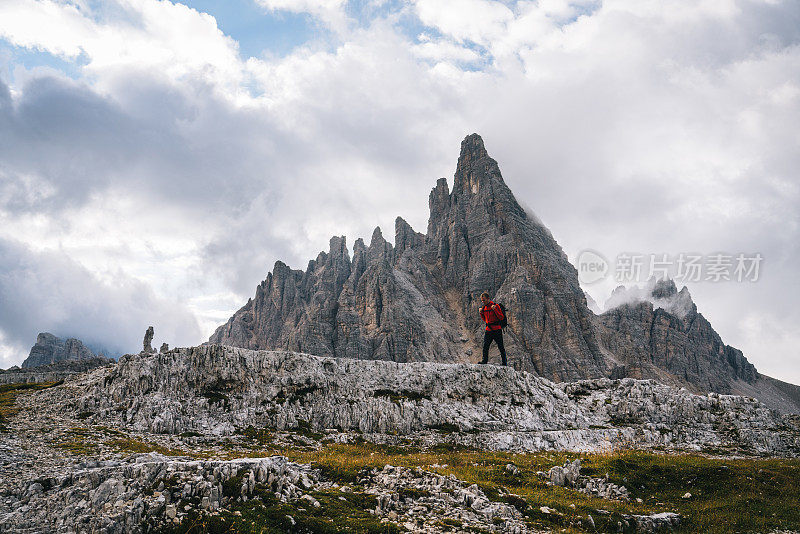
pixel 257 29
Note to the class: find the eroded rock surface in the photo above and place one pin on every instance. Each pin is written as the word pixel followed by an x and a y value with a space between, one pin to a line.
pixel 569 475
pixel 213 389
pixel 665 330
pixel 52 372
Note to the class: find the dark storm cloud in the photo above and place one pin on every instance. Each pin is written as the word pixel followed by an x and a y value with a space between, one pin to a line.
pixel 78 142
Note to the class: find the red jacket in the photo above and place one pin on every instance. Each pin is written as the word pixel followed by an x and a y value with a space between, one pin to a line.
pixel 491 313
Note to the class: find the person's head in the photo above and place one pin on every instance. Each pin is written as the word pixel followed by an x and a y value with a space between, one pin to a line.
pixel 485 297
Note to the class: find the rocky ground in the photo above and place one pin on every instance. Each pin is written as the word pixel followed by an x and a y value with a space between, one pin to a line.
pixel 52 372
pixel 214 390
pixel 215 440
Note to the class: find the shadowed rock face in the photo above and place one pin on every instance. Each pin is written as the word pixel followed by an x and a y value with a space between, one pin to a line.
pixel 680 341
pixel 50 349
pixel 419 299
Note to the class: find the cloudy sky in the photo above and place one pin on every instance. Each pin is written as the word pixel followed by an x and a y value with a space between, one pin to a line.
pixel 157 157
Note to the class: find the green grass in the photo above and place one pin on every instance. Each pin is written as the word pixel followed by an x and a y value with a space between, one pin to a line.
pixel 126 444
pixel 10 392
pixel 728 495
pixel 78 442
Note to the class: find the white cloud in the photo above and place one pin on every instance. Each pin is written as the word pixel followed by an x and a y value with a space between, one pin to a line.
pixel 155 37
pixel 330 12
pixel 479 21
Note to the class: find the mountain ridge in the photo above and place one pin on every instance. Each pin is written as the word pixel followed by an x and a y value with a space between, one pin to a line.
pixel 418 300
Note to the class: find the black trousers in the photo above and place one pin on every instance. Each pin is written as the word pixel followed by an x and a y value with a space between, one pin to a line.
pixel 497 337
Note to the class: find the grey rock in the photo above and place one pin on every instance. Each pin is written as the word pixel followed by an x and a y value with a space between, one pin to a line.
pixel 114 498
pixel 664 521
pixel 214 389
pixel 51 349
pixel 569 475
pixel 658 333
pixel 147 343
pixel 418 300
pixel 52 372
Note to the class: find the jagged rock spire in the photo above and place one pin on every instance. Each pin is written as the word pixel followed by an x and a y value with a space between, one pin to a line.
pixel 474 166
pixel 417 300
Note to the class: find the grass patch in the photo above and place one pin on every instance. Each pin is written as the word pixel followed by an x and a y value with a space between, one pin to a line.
pixel 137 446
pixel 728 495
pixel 10 392
pixel 78 441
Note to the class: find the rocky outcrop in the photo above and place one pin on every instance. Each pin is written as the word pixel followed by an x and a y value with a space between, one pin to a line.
pixel 464 505
pixel 50 349
pixel 142 493
pixel 661 330
pixel 215 390
pixel 569 475
pixel 52 372
pixel 418 300
pixel 147 342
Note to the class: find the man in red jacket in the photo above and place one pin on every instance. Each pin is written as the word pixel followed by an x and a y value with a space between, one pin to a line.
pixel 492 314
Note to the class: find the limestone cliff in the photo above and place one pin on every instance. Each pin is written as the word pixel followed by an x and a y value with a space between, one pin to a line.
pixel 213 390
pixel 666 330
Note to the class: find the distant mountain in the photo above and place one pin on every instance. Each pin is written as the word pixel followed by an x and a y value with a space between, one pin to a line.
pixel 51 349
pixel 663 328
pixel 657 332
pixel 418 300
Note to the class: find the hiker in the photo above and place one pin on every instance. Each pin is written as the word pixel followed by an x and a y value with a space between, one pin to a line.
pixel 492 315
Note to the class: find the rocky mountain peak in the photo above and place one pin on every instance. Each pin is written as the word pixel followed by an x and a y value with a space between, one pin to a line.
pixel 51 349
pixel 664 288
pixel 474 167
pixel 439 205
pixel 475 170
pixel 417 301
pixel 405 237
pixel 379 249
pixel 660 325
pixel 659 293
pixel 338 248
